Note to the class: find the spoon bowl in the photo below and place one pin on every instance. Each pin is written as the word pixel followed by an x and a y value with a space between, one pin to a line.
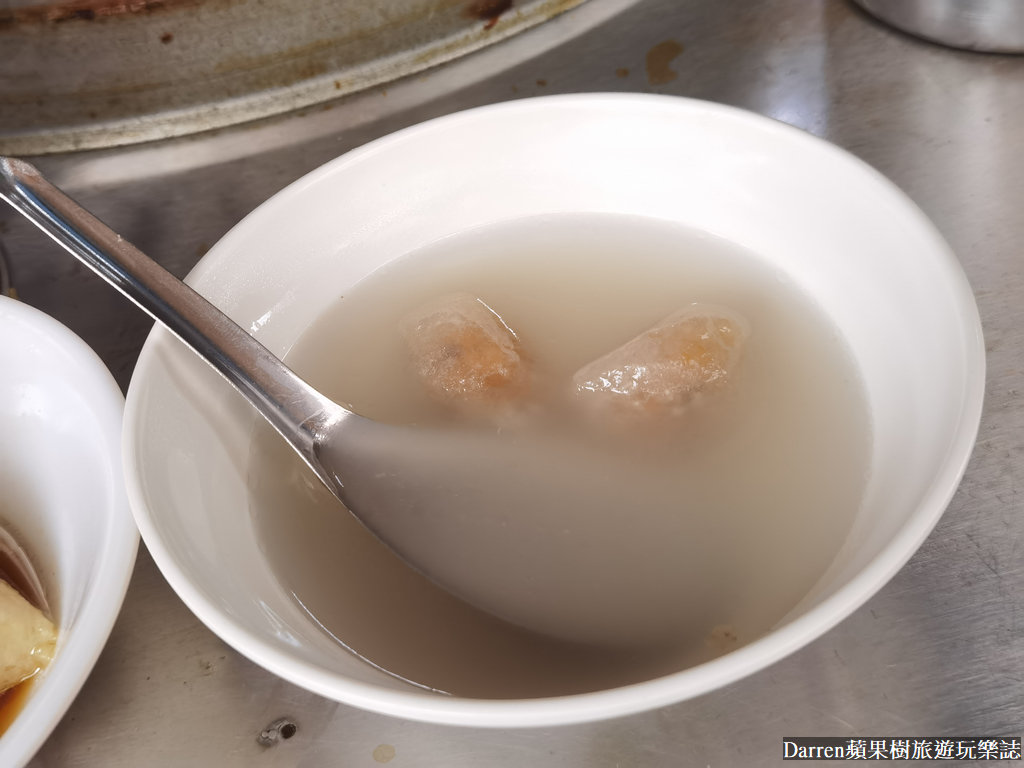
pixel 478 512
pixel 823 219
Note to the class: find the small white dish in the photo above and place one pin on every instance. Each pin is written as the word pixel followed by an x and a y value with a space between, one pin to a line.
pixel 63 502
pixel 836 227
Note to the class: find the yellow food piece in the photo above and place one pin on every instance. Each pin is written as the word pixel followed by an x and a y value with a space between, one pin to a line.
pixel 27 638
pixel 463 353
pixel 661 370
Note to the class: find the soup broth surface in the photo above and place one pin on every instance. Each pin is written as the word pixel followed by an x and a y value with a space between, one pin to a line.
pixel 770 471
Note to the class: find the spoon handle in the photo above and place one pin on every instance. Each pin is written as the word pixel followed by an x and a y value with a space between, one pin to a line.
pixel 294 408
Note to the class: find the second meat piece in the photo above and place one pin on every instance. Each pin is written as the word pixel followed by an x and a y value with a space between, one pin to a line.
pixel 660 371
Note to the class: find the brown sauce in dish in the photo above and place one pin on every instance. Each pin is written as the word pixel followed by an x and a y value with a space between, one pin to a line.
pixel 12 701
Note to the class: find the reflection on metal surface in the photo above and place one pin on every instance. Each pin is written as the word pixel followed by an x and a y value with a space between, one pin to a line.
pixel 808 106
pixel 118 72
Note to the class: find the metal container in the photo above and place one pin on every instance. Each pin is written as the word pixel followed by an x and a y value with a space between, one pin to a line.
pixel 83 74
pixel 995 26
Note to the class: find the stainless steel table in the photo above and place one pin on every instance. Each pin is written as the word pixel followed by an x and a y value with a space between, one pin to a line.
pixel 939 652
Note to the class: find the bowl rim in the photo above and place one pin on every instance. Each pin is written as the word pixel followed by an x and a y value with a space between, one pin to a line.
pixel 77 651
pixel 646 695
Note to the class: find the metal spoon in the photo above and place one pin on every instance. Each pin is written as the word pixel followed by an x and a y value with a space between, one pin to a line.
pixel 505 522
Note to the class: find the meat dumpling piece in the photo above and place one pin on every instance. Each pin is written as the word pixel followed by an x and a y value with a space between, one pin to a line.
pixel 660 371
pixel 27 638
pixel 465 355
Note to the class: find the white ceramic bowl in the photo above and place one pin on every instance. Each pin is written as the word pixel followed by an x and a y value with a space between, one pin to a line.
pixel 63 501
pixel 838 228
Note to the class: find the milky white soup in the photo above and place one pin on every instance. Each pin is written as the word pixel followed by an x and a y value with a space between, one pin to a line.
pixel 761 478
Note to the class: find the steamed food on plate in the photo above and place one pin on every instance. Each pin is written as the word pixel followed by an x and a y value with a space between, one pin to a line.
pixel 27 638
pixel 465 355
pixel 661 371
